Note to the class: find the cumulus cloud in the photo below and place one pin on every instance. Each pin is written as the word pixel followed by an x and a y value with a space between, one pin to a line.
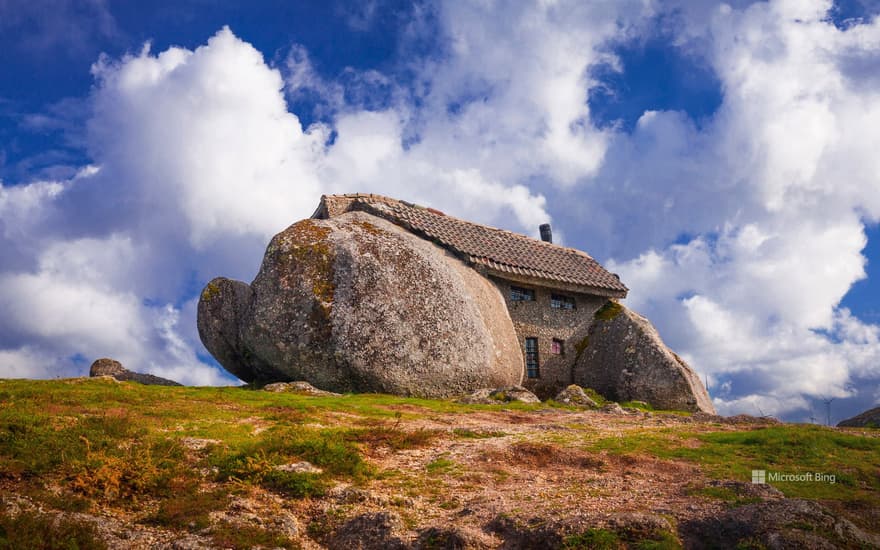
pixel 778 189
pixel 197 163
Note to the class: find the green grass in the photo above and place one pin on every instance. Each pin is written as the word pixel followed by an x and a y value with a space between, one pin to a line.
pixel 854 460
pixel 592 539
pixel 84 445
pixel 260 461
pixel 440 466
pixel 637 405
pixel 595 396
pixel 605 539
pixel 465 433
pixel 105 442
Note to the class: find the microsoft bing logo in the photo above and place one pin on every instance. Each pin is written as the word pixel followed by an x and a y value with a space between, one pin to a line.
pixel 759 476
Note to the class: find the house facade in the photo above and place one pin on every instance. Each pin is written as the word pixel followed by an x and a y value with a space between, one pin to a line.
pixel 552 292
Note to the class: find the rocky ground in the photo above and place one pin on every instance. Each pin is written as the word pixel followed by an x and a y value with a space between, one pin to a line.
pixel 126 466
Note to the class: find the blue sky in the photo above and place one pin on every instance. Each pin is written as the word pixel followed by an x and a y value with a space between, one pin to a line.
pixel 720 156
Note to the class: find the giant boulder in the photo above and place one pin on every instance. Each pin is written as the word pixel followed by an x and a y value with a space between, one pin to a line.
pixel 357 304
pixel 624 359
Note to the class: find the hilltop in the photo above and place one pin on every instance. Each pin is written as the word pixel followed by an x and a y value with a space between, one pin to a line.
pixel 92 463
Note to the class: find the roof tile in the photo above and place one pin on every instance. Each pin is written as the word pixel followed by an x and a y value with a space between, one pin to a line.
pixel 495 249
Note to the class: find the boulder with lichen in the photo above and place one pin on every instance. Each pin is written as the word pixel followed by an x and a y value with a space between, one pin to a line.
pixel 624 359
pixel 357 304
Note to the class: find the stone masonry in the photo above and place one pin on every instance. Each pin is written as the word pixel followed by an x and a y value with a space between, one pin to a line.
pixel 536 319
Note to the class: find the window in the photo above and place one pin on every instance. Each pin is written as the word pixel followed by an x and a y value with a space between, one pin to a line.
pixel 520 294
pixel 558 301
pixel 532 358
pixel 557 347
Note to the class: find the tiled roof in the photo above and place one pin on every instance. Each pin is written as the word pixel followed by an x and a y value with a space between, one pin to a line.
pixel 498 251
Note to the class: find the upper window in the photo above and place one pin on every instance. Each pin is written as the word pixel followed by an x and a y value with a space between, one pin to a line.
pixel 559 301
pixel 557 347
pixel 520 294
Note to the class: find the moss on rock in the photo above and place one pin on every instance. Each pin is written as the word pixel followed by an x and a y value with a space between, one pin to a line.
pixel 609 311
pixel 210 291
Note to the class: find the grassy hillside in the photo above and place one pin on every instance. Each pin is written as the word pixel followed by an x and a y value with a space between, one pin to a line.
pixel 92 462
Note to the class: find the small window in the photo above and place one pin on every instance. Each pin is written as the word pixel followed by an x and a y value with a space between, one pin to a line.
pixel 520 294
pixel 532 358
pixel 558 301
pixel 557 347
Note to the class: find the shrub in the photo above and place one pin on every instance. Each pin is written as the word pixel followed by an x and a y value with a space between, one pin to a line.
pixel 393 437
pixel 259 462
pixel 34 531
pixel 190 510
pixel 126 474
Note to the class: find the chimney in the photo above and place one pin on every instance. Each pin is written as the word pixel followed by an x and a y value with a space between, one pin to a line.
pixel 546 232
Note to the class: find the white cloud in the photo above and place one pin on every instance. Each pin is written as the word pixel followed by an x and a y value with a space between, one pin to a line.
pixel 510 96
pixel 195 132
pixel 198 163
pixel 787 180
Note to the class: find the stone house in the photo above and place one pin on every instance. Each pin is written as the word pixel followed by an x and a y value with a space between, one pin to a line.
pixel 552 292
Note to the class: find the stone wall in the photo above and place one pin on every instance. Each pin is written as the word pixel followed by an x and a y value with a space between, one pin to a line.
pixel 537 319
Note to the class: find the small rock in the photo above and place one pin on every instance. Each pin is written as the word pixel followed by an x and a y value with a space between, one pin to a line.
pixel 371 530
pixel 707 418
pixel 452 538
pixel 514 393
pixel 297 387
pixel 506 394
pixel 613 408
pixel 189 542
pixel 300 468
pixel 479 397
pixel 575 395
pixel 749 419
pixel 106 367
pixel 763 491
pixel 639 524
pixel 349 495
pixel 779 523
pixel 196 444
pixel 110 367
